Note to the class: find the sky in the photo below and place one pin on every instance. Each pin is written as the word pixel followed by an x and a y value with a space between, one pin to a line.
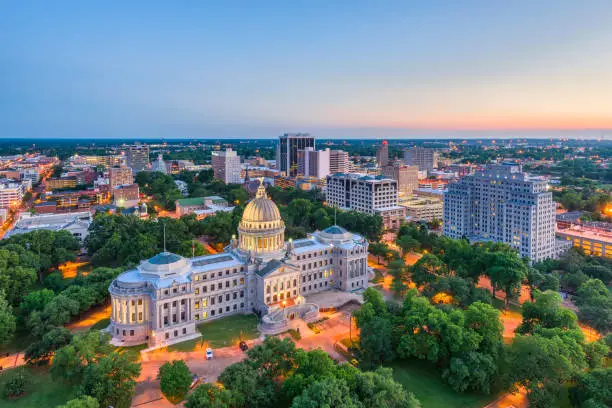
pixel 336 69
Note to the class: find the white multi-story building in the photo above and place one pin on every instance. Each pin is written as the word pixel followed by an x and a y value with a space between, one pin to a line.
pixel 76 223
pixel 119 176
pixel 422 209
pixel 161 301
pixel 138 157
pixel 159 165
pixel 11 194
pixel 339 162
pixel 226 166
pixel 313 163
pixel 503 204
pixel 367 194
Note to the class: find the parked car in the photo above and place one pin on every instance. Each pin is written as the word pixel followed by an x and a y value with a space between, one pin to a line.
pixel 243 346
pixel 209 354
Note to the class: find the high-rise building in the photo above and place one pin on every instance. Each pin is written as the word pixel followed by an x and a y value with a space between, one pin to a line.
pixel 382 155
pixel 423 157
pixel 503 204
pixel 313 163
pixel 407 177
pixel 338 162
pixel 138 156
pixel 367 194
pixel 226 166
pixel 119 176
pixel 11 194
pixel 287 151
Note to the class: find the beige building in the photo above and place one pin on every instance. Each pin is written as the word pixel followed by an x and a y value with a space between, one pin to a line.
pixel 226 166
pixel 407 177
pixel 338 161
pixel 119 176
pixel 593 241
pixel 422 209
pixel 162 299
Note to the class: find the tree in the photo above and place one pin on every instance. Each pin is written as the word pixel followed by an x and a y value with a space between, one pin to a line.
pixel 248 387
pixel 330 393
pixel 540 365
pixel 36 300
pixel 174 380
pixel 408 244
pixel 471 371
pixel 378 249
pixel 111 381
pixel 273 358
pixel 592 389
pixel 320 219
pixel 7 321
pixel 40 351
pixel 507 272
pixel 375 341
pixel 211 396
pixel 82 402
pixel 397 269
pixel 84 350
pixel 546 312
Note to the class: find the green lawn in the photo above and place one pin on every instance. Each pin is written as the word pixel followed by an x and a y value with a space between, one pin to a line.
pixel 424 380
pixel 42 391
pixel 222 333
pixel 131 352
pixel 101 324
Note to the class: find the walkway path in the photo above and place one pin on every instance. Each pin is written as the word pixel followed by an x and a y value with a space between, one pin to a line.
pixel 12 360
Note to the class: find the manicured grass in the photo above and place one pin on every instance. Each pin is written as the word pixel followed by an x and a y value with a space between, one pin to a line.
pixel 222 333
pixel 100 324
pixel 132 352
pixel 42 391
pixel 424 380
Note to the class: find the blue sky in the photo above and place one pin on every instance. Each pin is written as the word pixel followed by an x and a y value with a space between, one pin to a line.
pixel 347 69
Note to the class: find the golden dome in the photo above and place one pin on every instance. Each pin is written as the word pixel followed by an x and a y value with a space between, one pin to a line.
pixel 261 209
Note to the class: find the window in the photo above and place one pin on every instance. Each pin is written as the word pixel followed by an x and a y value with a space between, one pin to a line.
pixel 197 304
pixel 167 336
pixel 165 305
pixel 139 316
pixel 242 293
pixel 175 290
pixel 139 302
pixel 185 330
pixel 197 291
pixel 204 302
pixel 175 333
pixel 165 292
pixel 131 332
pixel 220 299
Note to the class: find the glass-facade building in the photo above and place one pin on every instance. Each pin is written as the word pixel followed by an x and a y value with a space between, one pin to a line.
pixel 287 151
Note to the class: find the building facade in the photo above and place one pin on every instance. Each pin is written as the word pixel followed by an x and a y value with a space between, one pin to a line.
pixel 287 151
pixel 594 241
pixel 226 166
pixel 338 161
pixel 407 177
pixel 161 301
pixel 11 194
pixel 137 156
pixel 422 209
pixel 382 154
pixel 503 204
pixel 159 165
pixel 367 194
pixel 119 176
pixel 313 163
pixel 77 223
pixel 424 158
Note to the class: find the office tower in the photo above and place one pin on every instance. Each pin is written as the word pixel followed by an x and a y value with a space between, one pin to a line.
pixel 119 176
pixel 503 204
pixel 367 194
pixel 11 194
pixel 138 157
pixel 407 177
pixel 226 166
pixel 338 162
pixel 313 163
pixel 423 157
pixel 287 151
pixel 382 154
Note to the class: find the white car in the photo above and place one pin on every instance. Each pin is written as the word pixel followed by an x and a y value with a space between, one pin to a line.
pixel 209 354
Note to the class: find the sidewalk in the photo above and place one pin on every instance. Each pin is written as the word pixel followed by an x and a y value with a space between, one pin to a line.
pixel 12 360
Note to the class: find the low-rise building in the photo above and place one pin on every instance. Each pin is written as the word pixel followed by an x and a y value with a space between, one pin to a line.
pixel 56 183
pixel 185 206
pixel 594 241
pixel 76 223
pixel 422 209
pixel 11 194
pixel 126 196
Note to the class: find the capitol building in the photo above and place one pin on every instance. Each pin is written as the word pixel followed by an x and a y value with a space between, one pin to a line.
pixel 165 297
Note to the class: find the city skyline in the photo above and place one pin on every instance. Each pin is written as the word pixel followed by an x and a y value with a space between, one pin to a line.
pixel 429 70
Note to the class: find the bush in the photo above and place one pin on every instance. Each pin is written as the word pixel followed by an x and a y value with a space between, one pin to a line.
pixel 15 387
pixel 295 334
